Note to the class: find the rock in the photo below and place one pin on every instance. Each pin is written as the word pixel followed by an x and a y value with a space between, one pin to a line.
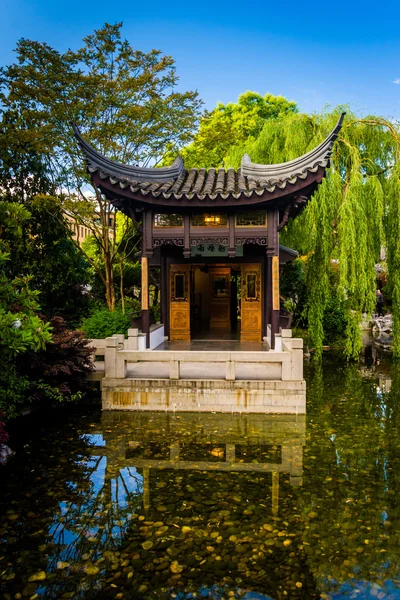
pixel 5 454
pixel 91 569
pixel 147 545
pixel 39 576
pixel 176 567
pixel 186 529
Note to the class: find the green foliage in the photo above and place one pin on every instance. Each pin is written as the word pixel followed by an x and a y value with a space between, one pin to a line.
pixel 393 252
pixel 349 216
pixel 229 124
pixel 39 360
pixel 3 433
pixel 104 323
pixel 20 327
pixel 126 267
pixel 293 289
pixel 335 321
pixel 133 307
pixel 60 371
pixel 14 387
pixel 125 102
pixel 57 269
pixel 156 312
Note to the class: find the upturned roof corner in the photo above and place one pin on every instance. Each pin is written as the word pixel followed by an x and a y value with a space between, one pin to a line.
pixel 98 162
pixel 287 171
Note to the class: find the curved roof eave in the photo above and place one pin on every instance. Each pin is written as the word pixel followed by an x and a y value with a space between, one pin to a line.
pixel 319 156
pixel 98 162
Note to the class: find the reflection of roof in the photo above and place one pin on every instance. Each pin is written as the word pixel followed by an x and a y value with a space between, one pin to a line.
pixel 175 182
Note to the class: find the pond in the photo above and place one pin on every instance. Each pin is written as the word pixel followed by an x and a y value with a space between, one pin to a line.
pixel 168 505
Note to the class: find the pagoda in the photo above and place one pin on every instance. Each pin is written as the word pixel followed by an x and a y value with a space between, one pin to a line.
pixel 214 235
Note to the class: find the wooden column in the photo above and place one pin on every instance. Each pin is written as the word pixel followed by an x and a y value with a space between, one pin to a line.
pixel 145 300
pixel 273 274
pixel 147 251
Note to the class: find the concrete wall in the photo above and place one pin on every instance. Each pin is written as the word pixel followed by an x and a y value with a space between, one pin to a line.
pixel 220 381
pixel 205 396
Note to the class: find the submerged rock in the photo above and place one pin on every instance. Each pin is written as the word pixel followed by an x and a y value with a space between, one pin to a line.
pixel 5 454
pixel 39 576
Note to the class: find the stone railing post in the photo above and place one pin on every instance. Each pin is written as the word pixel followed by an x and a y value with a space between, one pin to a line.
pixel 278 342
pixel 230 371
pixel 297 359
pixel 121 340
pixel 114 365
pixel 132 341
pixel 174 370
pixel 292 370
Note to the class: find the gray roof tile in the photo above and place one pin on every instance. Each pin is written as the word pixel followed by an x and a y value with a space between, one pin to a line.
pixel 175 182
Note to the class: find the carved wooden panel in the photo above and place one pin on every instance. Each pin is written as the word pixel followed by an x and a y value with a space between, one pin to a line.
pixel 179 285
pixel 220 304
pixel 251 303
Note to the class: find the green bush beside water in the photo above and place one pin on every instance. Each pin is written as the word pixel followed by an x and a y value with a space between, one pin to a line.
pixel 102 323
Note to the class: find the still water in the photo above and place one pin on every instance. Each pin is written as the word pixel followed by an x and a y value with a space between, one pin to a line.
pixel 158 505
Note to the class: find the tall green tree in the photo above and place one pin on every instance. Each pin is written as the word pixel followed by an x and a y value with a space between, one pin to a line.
pixel 124 100
pixel 58 271
pixel 21 328
pixel 230 124
pixel 353 213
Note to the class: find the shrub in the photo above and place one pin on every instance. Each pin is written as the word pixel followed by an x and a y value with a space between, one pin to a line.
pixel 14 388
pixel 293 289
pixel 334 322
pixel 103 323
pixel 3 432
pixel 133 307
pixel 60 372
pixel 156 312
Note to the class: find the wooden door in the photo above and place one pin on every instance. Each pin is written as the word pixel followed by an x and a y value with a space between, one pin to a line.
pixel 179 296
pixel 220 298
pixel 251 303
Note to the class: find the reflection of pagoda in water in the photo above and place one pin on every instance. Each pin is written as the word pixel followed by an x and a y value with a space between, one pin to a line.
pixel 219 500
pixel 265 444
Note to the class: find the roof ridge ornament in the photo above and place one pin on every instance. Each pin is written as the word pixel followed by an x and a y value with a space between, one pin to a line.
pixel 98 162
pixel 319 156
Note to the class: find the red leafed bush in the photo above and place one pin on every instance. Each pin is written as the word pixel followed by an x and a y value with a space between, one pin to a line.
pixel 3 432
pixel 63 367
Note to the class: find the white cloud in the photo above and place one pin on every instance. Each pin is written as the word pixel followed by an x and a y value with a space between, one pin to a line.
pixel 397 81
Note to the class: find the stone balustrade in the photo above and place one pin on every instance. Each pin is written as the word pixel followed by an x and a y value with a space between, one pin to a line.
pixel 284 365
pixel 264 381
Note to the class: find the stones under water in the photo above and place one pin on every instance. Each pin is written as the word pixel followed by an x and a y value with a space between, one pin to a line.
pixel 160 505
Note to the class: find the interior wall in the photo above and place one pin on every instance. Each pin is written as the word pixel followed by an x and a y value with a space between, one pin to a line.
pixel 202 286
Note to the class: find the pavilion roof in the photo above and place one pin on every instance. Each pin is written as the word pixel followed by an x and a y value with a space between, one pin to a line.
pixel 177 183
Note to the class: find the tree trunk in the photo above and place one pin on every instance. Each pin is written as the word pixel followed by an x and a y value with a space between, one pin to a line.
pixel 110 292
pixel 121 276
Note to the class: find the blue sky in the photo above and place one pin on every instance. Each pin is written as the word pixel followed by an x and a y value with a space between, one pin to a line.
pixel 316 53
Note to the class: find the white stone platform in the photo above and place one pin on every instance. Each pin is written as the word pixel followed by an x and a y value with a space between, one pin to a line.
pixel 250 381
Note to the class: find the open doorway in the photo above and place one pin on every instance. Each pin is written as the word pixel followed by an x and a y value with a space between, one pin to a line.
pixel 215 302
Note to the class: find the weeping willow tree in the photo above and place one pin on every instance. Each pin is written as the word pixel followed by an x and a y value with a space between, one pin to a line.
pixel 355 212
